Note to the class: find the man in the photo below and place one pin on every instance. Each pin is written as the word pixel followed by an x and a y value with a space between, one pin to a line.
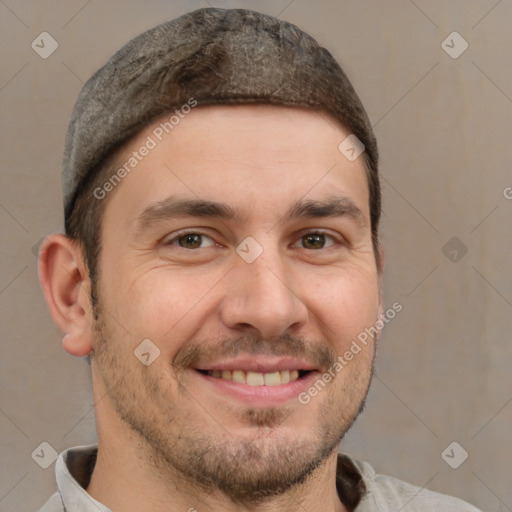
pixel 220 265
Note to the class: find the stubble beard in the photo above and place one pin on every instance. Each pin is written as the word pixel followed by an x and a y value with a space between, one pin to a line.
pixel 245 469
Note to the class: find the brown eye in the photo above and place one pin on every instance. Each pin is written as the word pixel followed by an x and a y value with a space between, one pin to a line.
pixel 192 241
pixel 313 241
pixel 316 241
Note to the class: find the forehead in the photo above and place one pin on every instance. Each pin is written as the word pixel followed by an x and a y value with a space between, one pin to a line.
pixel 238 154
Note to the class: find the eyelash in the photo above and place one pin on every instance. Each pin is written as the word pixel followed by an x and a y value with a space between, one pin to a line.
pixel 175 238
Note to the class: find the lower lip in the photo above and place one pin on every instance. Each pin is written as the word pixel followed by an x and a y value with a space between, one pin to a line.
pixel 260 396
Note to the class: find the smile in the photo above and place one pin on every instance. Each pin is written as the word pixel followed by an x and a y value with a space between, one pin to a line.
pixel 257 378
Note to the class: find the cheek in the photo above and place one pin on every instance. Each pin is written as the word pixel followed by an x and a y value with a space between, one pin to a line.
pixel 159 303
pixel 345 305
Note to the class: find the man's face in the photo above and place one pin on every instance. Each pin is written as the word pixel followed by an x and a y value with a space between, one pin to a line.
pixel 241 247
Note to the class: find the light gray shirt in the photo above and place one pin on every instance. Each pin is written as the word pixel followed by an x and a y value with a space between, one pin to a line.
pixel 382 493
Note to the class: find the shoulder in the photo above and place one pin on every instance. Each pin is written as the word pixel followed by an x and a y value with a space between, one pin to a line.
pixel 54 504
pixel 386 493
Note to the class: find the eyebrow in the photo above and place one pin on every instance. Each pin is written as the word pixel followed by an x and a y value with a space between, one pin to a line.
pixel 306 209
pixel 338 206
pixel 171 207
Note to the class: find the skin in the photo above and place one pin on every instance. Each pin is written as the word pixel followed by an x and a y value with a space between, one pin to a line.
pixel 164 431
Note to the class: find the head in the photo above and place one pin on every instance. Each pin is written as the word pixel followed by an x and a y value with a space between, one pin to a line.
pixel 240 245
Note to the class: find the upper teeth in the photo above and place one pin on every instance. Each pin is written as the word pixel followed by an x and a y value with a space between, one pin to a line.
pixel 257 378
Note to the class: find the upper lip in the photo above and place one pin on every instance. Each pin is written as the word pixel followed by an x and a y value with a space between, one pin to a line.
pixel 258 363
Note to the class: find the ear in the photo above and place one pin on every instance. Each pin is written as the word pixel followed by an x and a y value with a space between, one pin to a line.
pixel 65 282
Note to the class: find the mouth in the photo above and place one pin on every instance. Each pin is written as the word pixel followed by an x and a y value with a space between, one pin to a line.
pixel 251 378
pixel 262 381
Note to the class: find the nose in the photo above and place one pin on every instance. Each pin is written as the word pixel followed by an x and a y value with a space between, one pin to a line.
pixel 262 298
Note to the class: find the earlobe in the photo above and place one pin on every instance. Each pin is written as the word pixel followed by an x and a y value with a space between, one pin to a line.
pixel 64 279
pixel 76 345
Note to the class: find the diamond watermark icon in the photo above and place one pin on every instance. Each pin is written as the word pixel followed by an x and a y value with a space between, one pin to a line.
pixel 44 45
pixel 454 455
pixel 454 249
pixel 44 455
pixel 146 352
pixel 249 250
pixel 454 45
pixel 351 147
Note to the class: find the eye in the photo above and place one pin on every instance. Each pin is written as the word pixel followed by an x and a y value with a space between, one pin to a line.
pixel 191 240
pixel 316 240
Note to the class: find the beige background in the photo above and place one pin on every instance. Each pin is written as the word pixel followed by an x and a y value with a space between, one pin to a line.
pixel 443 370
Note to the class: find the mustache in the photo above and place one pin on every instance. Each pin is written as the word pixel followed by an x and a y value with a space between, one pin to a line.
pixel 319 355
